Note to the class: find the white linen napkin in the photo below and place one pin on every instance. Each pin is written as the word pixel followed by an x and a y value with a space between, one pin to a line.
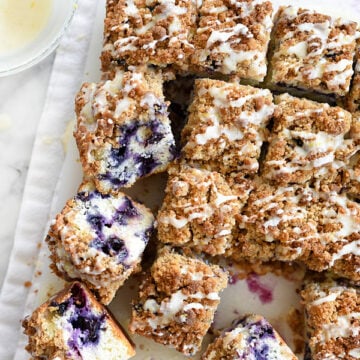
pixel 46 161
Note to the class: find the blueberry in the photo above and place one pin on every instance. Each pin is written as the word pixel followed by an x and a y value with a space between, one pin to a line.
pixel 125 212
pixel 113 246
pixel 78 296
pixel 89 327
pixel 147 164
pixel 97 222
pixel 118 155
pixel 61 308
pixel 261 352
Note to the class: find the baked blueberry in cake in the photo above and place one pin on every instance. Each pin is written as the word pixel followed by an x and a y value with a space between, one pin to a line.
pixel 123 131
pixel 252 338
pixel 177 301
pixel 312 52
pixel 232 38
pixel 332 317
pixel 100 239
pixel 74 325
pixel 148 32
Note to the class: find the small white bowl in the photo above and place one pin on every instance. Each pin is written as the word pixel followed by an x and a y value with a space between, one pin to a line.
pixel 44 44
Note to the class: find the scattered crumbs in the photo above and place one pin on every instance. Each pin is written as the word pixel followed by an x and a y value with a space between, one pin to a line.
pixel 66 136
pixel 295 320
pixel 5 122
pixel 27 284
pixel 36 291
pixel 38 273
pixel 38 245
pixel 141 347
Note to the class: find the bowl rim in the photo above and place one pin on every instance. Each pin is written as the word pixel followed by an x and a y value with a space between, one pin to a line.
pixel 45 52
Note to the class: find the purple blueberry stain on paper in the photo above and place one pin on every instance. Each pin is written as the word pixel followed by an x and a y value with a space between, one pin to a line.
pixel 263 291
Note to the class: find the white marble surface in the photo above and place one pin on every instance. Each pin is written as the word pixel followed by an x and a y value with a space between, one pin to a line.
pixel 22 100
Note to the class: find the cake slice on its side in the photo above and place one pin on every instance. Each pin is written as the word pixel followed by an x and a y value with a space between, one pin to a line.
pixel 250 338
pixel 123 130
pixel 99 239
pixel 332 310
pixel 177 301
pixel 73 325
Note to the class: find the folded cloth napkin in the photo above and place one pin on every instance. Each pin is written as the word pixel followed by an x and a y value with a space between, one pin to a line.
pixel 46 161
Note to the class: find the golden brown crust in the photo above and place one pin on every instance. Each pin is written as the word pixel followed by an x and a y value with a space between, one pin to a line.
pixel 198 211
pixel 333 319
pixel 148 32
pixel 226 126
pixel 308 143
pixel 232 38
pixel 177 301
pixel 313 51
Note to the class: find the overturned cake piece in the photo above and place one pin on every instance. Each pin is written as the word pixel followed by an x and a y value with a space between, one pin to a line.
pixel 232 38
pixel 332 317
pixel 198 211
pixel 177 301
pixel 252 338
pixel 312 52
pixel 308 142
pixel 73 325
pixel 99 239
pixel 123 131
pixel 148 32
pixel 226 127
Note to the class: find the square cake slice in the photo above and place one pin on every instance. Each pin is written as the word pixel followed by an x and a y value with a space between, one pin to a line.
pixel 252 338
pixel 313 52
pixel 99 239
pixel 275 224
pixel 177 301
pixel 308 142
pixel 332 317
pixel 298 223
pixel 226 127
pixel 123 131
pixel 232 38
pixel 338 246
pixel 148 32
pixel 198 211
pixel 73 325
